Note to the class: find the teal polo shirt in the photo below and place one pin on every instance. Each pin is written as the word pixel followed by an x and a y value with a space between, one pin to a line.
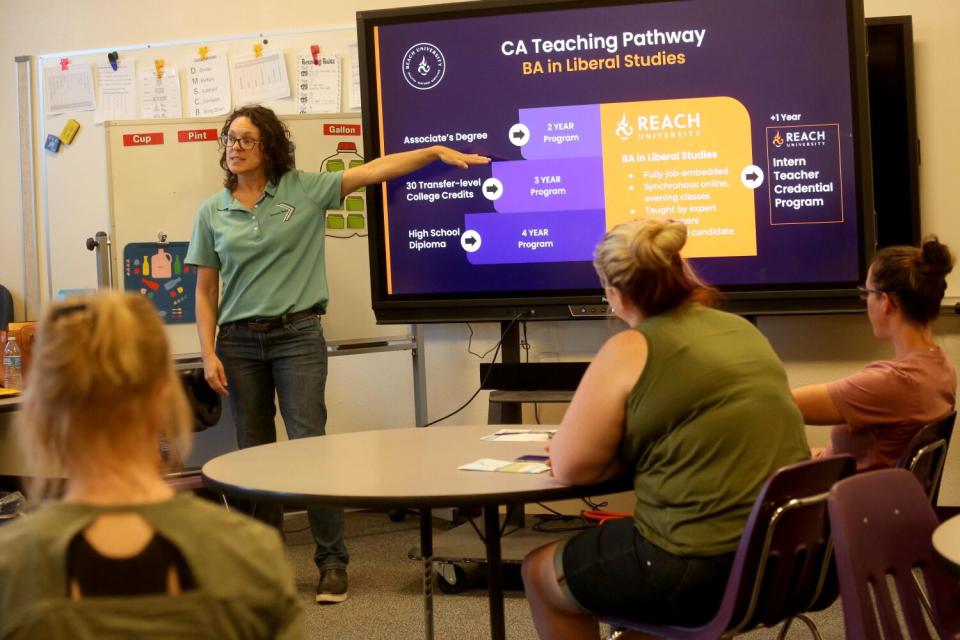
pixel 271 257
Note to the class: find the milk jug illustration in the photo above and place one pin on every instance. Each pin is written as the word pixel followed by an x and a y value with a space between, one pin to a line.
pixel 161 264
pixel 352 219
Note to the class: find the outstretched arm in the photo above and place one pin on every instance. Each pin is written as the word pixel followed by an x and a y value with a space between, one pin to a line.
pixel 394 165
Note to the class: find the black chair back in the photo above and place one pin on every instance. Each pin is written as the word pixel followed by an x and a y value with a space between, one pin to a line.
pixel 925 455
pixel 6 308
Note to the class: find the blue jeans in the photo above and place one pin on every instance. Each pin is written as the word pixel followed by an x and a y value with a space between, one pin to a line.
pixel 291 361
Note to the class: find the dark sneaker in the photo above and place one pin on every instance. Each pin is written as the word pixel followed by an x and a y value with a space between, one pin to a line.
pixel 333 586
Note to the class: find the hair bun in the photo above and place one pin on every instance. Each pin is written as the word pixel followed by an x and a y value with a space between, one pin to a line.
pixel 935 257
pixel 658 242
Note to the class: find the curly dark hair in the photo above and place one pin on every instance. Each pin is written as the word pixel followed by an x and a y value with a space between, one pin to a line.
pixel 274 142
pixel 915 276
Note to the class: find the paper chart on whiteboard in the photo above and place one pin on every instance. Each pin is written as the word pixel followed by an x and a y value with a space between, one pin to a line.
pixel 69 89
pixel 159 97
pixel 259 78
pixel 209 92
pixel 117 90
pixel 318 84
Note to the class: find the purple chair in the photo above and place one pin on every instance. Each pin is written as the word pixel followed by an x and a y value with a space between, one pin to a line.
pixel 783 566
pixel 926 453
pixel 882 527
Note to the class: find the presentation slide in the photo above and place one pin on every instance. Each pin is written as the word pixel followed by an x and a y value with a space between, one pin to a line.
pixel 733 116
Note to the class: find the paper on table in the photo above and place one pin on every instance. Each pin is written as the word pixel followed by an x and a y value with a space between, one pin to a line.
pixel 484 464
pixel 70 90
pixel 209 86
pixel 116 92
pixel 258 79
pixel 504 466
pixel 524 467
pixel 318 85
pixel 160 97
pixel 521 435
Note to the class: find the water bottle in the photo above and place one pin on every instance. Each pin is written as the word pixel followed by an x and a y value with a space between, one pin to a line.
pixel 12 365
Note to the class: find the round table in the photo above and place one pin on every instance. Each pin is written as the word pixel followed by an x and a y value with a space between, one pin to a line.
pixel 946 543
pixel 412 467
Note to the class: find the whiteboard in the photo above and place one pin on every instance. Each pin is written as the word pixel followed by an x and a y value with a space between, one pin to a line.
pixel 161 170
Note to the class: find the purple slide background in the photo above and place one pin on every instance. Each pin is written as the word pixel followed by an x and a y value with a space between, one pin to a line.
pixel 788 57
pixel 586 119
pixel 571 233
pixel 581 179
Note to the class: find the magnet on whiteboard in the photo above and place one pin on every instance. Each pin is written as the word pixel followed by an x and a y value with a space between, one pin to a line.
pixel 69 131
pixel 52 143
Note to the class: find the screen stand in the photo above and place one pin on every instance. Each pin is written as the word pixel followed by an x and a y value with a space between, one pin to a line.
pixel 509 412
pixel 506 406
pixel 458 550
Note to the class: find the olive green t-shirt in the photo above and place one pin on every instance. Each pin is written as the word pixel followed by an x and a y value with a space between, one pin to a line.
pixel 245 587
pixel 709 420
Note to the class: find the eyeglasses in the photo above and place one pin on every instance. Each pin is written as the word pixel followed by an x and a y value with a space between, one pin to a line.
pixel 245 143
pixel 864 292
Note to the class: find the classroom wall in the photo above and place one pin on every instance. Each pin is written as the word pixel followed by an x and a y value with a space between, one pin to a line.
pixel 54 26
pixel 814 348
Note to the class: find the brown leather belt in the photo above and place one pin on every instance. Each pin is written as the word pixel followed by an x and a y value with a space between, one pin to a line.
pixel 267 324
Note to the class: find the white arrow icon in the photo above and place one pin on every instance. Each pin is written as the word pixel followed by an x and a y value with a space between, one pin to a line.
pixel 519 134
pixel 492 189
pixel 751 176
pixel 470 241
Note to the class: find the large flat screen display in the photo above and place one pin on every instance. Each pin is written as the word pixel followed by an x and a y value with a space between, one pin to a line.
pixel 745 119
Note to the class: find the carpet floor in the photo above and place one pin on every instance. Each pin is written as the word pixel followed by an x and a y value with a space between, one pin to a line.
pixel 386 601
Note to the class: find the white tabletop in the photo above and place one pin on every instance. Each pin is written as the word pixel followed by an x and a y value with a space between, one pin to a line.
pixel 394 467
pixel 946 542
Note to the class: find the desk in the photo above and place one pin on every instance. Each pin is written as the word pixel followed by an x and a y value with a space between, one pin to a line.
pixel 398 468
pixel 946 543
pixel 188 361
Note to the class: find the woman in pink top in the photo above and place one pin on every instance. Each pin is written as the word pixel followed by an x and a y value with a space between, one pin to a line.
pixel 876 411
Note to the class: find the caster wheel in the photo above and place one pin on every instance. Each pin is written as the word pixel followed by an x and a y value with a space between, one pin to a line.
pixel 451 578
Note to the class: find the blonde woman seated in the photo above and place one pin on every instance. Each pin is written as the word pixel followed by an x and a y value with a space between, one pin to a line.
pixel 122 556
pixel 877 411
pixel 693 404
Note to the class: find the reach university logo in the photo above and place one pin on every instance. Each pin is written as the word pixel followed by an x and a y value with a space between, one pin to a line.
pixel 423 66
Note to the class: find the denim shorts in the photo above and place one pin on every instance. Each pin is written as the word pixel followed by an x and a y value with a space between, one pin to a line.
pixel 612 571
